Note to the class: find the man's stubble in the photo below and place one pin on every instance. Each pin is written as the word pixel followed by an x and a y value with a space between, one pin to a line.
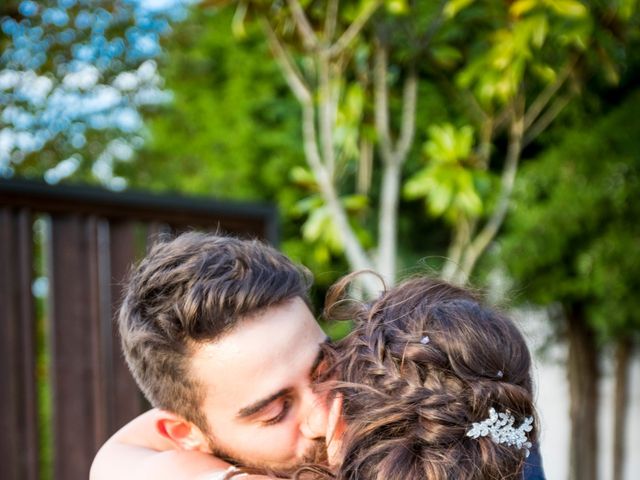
pixel 315 455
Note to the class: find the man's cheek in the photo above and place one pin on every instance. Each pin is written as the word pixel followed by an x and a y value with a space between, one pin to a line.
pixel 278 446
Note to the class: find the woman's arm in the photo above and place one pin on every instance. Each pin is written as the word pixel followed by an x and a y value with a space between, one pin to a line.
pixel 137 451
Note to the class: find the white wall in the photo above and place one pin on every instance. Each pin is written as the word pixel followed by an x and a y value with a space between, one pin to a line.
pixel 553 406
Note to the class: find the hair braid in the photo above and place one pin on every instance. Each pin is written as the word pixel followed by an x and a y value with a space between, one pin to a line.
pixel 423 363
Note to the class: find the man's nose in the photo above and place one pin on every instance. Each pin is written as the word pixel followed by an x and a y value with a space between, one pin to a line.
pixel 313 424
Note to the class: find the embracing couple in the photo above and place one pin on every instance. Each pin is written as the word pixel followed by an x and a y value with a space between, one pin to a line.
pixel 430 384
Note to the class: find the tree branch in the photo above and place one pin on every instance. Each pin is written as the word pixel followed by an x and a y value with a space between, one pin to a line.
pixel 407 130
pixel 486 235
pixel 393 158
pixel 309 38
pixel 461 237
pixel 484 147
pixel 356 256
pixel 325 113
pixel 331 20
pixel 381 102
pixel 545 120
pixel 547 94
pixel 388 221
pixel 354 29
pixel 291 73
pixel 365 167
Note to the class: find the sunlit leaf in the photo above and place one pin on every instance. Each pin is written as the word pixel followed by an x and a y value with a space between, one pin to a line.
pixel 520 7
pixel 302 176
pixel 397 7
pixel 568 8
pixel 453 7
pixel 355 203
pixel 446 55
pixel 544 72
pixel 317 223
pixel 237 24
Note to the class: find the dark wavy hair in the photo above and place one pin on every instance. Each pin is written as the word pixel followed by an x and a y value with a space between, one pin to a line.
pixel 424 361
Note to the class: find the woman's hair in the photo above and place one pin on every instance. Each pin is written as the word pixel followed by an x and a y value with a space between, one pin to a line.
pixel 423 363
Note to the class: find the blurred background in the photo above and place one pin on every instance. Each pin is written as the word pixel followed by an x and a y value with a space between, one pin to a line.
pixel 490 142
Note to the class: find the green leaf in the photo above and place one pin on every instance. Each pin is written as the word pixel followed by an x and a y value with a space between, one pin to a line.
pixel 307 204
pixel 539 25
pixel 520 7
pixel 316 224
pixel 397 7
pixel 448 144
pixel 418 185
pixel 446 55
pixel 237 24
pixel 355 203
pixel 568 8
pixel 439 200
pixel 544 72
pixel 455 6
pixel 302 176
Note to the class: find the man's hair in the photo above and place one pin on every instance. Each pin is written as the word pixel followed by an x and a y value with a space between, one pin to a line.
pixel 423 363
pixel 193 289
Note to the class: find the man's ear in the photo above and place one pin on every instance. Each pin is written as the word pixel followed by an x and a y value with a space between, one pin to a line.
pixel 182 433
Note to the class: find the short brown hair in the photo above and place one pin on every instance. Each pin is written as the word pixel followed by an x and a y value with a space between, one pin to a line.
pixel 191 289
pixel 423 363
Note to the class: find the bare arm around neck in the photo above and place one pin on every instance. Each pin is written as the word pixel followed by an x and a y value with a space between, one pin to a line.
pixel 138 452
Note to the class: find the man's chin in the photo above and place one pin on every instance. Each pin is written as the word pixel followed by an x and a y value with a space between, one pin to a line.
pixel 316 455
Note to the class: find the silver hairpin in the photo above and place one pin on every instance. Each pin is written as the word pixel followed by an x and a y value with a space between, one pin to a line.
pixel 499 427
pixel 425 340
pixel 500 374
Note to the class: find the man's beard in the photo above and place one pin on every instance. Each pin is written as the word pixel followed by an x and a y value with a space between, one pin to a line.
pixel 315 455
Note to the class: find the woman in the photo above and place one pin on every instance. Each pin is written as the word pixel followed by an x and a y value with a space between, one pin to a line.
pixel 432 384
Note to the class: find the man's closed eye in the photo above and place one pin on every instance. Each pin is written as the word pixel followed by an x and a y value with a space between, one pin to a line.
pixel 277 412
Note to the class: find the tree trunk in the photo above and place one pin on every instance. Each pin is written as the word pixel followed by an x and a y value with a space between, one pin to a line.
pixel 621 401
pixel 583 373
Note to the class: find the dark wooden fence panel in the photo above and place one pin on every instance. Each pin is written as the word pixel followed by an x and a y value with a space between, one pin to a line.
pixel 96 235
pixel 18 411
pixel 126 400
pixel 78 382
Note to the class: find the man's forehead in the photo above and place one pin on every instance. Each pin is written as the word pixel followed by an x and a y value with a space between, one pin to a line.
pixel 264 351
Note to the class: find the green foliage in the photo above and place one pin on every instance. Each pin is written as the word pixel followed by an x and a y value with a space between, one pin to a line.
pixel 320 231
pixel 447 183
pixel 232 130
pixel 574 235
pixel 524 40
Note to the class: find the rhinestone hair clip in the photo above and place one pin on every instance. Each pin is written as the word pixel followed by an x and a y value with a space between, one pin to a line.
pixel 499 427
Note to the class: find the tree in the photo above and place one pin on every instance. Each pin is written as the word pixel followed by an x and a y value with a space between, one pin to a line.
pixel 572 240
pixel 231 130
pixel 74 76
pixel 356 71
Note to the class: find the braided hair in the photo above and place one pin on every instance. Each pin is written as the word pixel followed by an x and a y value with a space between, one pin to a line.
pixel 423 362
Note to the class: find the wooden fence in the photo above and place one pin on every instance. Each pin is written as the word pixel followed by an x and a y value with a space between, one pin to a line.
pixel 91 237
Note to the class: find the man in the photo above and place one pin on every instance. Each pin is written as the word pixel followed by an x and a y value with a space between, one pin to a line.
pixel 219 337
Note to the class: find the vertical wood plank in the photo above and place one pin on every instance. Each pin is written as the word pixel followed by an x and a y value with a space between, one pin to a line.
pixel 8 320
pixel 79 410
pixel 18 404
pixel 125 399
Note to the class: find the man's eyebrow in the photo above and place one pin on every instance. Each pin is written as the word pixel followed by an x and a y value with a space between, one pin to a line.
pixel 261 404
